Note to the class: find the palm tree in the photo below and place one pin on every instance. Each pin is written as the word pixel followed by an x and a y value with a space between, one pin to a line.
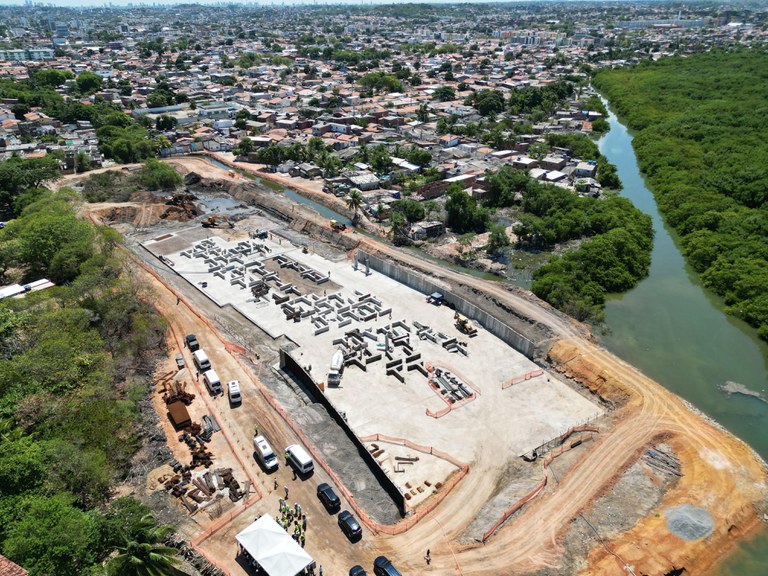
pixel 354 201
pixel 144 553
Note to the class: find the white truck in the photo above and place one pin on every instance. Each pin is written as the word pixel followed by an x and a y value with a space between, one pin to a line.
pixel 337 365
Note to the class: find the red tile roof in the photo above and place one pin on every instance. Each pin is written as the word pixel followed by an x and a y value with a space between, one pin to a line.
pixel 8 568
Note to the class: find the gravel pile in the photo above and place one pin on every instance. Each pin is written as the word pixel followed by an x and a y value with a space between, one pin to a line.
pixel 689 522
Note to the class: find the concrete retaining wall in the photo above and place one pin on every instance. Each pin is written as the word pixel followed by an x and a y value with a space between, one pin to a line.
pixel 425 286
pixel 289 364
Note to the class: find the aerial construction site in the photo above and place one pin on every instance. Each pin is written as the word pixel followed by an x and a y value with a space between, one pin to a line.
pixel 450 414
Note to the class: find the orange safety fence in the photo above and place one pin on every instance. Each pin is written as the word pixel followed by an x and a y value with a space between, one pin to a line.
pixel 522 378
pixel 539 487
pixel 449 406
pixel 222 521
pixel 432 503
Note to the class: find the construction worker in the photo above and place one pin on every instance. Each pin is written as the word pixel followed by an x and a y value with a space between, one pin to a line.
pixel 304 523
pixel 302 539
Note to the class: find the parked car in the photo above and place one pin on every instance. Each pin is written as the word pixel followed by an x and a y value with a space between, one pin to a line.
pixel 357 571
pixel 192 342
pixel 349 525
pixel 328 497
pixel 383 567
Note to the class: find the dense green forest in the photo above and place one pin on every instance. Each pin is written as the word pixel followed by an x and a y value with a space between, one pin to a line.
pixel 616 240
pixel 702 142
pixel 70 386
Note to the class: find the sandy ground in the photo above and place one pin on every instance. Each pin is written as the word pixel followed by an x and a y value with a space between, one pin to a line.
pixel 721 473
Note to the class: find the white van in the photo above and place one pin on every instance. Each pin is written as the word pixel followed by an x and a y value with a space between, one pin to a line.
pixel 212 382
pixel 233 388
pixel 264 453
pixel 299 459
pixel 201 360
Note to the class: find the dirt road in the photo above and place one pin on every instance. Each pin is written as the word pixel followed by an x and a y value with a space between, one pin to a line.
pixel 720 472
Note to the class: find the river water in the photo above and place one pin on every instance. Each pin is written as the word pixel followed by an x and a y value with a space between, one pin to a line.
pixel 678 334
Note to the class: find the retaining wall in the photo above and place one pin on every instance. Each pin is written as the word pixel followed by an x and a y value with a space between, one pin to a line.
pixel 426 286
pixel 288 363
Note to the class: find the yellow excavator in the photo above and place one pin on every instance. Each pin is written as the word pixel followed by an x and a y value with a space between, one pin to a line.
pixel 465 325
pixel 215 221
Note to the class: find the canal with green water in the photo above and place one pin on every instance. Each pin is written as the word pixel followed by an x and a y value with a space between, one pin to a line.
pixel 677 333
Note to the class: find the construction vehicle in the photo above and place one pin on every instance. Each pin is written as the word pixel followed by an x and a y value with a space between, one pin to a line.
pixel 337 366
pixel 465 325
pixel 180 199
pixel 338 226
pixel 215 221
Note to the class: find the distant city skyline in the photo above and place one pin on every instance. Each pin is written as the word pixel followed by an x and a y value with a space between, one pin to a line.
pixel 149 3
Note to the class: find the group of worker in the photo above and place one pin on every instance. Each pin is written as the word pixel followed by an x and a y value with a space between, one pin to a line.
pixel 293 516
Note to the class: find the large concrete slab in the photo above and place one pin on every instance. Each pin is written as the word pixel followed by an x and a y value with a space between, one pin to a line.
pixel 515 420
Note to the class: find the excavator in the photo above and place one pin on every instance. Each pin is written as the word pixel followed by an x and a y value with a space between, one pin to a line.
pixel 215 221
pixel 465 325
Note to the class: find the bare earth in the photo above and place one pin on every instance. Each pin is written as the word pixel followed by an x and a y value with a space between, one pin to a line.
pixel 720 472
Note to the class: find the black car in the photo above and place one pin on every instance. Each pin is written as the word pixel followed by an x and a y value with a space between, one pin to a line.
pixel 328 497
pixel 383 567
pixel 357 571
pixel 192 342
pixel 349 525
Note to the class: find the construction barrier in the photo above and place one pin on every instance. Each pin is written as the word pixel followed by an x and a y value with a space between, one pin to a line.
pixel 289 363
pixel 432 503
pixel 541 485
pixel 523 378
pixel 421 283
pixel 449 406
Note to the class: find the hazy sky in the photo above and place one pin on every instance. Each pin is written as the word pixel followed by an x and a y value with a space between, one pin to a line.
pixel 76 3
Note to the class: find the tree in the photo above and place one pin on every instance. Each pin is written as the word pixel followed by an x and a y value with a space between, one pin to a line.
pixel 354 201
pixel 464 214
pixel 165 122
pixel 245 147
pixel 52 538
pixel 18 175
pixel 487 102
pixel 145 553
pixel 331 166
pixel 538 150
pixel 380 159
pixel 51 78
pixel 498 239
pixel 422 114
pixel 82 162
pixel 411 209
pixel 19 110
pixel 444 93
pixel 156 175
pixel 381 82
pixel 398 230
pixel 88 82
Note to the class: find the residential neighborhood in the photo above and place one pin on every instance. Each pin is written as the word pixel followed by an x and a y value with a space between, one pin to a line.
pixel 395 102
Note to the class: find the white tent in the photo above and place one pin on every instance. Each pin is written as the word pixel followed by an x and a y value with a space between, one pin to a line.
pixel 271 546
